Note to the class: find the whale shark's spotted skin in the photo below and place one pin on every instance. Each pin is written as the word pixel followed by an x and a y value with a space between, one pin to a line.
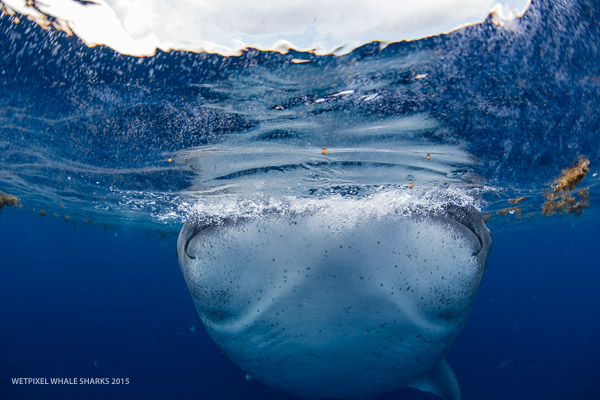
pixel 321 308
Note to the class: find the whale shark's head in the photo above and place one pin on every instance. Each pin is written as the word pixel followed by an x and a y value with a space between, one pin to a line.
pixel 325 306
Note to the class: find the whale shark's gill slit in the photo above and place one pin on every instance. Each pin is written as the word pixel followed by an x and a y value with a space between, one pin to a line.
pixel 197 230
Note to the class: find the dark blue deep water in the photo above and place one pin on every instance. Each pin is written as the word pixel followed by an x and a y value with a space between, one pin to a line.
pixel 121 149
pixel 90 303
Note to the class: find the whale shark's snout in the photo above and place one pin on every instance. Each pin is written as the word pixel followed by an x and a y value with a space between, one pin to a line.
pixel 322 305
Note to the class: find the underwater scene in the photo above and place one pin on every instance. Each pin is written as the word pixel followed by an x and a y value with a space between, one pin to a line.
pixel 286 200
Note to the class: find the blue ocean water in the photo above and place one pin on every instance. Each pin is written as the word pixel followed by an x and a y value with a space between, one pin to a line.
pixel 87 134
pixel 90 303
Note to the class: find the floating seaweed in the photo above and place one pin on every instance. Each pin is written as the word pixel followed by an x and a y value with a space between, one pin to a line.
pixel 486 216
pixel 8 200
pixel 511 210
pixel 562 198
pixel 518 200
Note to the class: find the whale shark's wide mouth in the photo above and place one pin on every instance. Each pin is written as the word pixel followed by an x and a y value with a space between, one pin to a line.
pixel 198 228
pixel 466 218
pixel 470 219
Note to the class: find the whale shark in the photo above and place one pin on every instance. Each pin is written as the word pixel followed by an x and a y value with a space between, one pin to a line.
pixel 322 305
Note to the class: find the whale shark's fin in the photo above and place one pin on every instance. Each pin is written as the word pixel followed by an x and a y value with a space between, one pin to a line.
pixel 440 381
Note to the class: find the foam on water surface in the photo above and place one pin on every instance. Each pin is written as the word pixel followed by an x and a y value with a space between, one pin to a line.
pixel 345 209
pixel 227 27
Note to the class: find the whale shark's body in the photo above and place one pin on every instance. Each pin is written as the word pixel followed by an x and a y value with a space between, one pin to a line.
pixel 322 307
